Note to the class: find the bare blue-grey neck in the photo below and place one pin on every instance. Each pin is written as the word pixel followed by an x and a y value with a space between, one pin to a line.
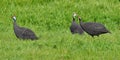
pixel 73 18
pixel 80 20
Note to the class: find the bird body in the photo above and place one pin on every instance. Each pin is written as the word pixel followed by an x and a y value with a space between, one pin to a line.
pixel 93 28
pixel 75 28
pixel 23 33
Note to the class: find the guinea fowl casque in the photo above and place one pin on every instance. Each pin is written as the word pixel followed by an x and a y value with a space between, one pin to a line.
pixel 92 28
pixel 23 33
pixel 75 28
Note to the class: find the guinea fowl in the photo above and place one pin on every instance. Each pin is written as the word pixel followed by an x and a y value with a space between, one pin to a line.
pixel 92 28
pixel 23 33
pixel 75 28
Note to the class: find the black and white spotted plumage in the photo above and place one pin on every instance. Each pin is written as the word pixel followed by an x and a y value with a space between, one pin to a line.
pixel 23 33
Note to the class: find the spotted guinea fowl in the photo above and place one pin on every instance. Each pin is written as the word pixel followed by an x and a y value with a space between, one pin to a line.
pixel 23 33
pixel 75 28
pixel 92 28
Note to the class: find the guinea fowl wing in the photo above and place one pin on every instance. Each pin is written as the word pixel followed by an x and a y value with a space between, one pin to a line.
pixel 94 27
pixel 87 26
pixel 90 27
pixel 27 33
pixel 99 28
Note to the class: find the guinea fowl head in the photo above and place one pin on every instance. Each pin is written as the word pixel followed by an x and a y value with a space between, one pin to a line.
pixel 14 18
pixel 74 15
pixel 79 18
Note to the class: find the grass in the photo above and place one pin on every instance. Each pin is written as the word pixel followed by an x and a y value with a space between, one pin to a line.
pixel 50 20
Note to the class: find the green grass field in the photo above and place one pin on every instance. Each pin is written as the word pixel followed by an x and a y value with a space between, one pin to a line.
pixel 50 20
